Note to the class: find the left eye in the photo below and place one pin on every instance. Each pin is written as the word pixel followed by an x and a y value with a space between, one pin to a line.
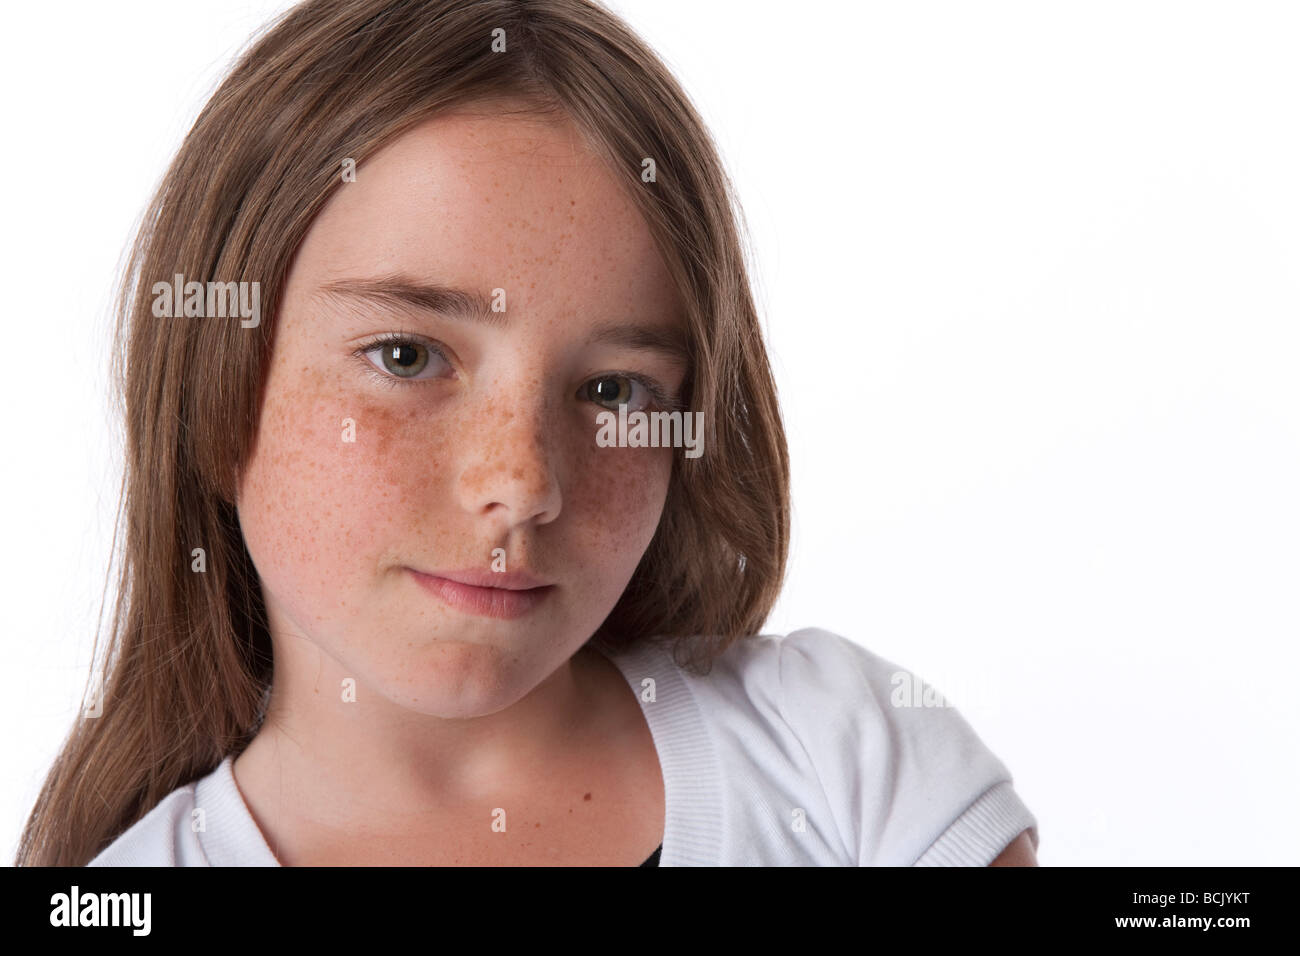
pixel 612 391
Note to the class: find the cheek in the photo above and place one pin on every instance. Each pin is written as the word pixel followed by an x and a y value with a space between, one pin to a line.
pixel 322 490
pixel 616 500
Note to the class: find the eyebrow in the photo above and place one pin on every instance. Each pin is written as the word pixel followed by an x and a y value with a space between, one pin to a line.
pixel 641 338
pixel 465 305
pixel 426 297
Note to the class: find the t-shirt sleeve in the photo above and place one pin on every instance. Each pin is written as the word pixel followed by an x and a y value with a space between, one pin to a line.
pixel 162 837
pixel 909 783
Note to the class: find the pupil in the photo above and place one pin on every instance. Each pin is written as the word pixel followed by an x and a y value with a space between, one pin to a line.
pixel 607 389
pixel 398 350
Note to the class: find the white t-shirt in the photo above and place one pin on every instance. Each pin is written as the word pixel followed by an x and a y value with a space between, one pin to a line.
pixel 790 752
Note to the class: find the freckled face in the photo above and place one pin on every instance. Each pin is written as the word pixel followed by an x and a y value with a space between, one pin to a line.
pixel 473 435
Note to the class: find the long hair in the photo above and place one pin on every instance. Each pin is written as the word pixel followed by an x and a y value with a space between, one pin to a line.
pixel 188 658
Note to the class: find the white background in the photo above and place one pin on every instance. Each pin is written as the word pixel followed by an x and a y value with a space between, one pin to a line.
pixel 1030 277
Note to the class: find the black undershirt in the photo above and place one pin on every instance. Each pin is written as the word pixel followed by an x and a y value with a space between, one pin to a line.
pixel 654 857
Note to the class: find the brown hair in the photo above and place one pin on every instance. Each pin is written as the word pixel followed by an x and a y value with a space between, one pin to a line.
pixel 189 655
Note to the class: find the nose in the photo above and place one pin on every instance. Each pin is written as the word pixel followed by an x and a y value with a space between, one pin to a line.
pixel 508 465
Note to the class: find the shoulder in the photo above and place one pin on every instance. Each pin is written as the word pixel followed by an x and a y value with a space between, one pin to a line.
pixel 818 674
pixel 906 778
pixel 162 837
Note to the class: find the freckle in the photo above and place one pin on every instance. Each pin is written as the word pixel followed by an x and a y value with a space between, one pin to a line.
pixel 586 796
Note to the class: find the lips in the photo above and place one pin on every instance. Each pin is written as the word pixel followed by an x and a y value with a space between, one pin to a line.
pixel 476 577
pixel 506 595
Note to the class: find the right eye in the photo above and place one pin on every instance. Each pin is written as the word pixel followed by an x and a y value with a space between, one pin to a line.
pixel 402 357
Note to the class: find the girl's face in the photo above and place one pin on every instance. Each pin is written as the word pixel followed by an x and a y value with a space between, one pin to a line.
pixel 469 445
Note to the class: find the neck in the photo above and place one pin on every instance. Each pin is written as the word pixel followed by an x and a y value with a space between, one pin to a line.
pixel 336 762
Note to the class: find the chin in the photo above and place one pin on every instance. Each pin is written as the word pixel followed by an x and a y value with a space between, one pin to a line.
pixel 461 679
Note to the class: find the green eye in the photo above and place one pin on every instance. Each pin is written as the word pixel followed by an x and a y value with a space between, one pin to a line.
pixel 611 390
pixel 406 360
pixel 627 388
pixel 401 357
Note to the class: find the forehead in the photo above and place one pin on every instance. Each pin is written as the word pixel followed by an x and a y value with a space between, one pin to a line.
pixel 488 200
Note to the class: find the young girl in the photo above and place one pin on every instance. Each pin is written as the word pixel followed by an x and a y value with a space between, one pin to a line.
pixel 407 577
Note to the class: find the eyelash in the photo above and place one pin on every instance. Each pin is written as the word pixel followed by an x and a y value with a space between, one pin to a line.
pixel 658 393
pixel 660 398
pixel 391 339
